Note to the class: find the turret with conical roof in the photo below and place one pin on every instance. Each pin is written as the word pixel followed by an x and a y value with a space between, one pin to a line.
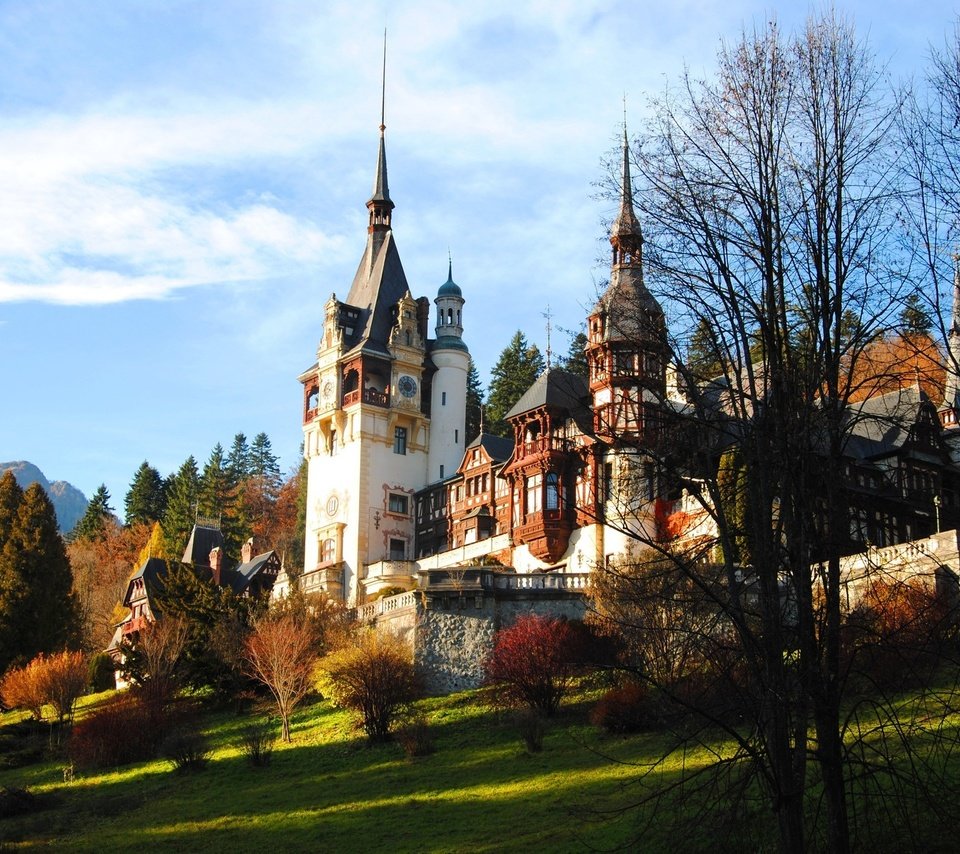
pixel 626 351
pixel 449 303
pixel 449 388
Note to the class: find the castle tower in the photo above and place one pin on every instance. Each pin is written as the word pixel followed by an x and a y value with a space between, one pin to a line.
pixel 366 429
pixel 368 401
pixel 626 350
pixel 449 388
pixel 951 390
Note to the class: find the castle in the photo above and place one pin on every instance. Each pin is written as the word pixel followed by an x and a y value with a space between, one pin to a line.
pixel 398 494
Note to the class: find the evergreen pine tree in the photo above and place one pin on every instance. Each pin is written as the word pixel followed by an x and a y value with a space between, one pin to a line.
pixel 145 500
pixel 576 360
pixel 181 510
pixel 240 460
pixel 703 357
pixel 38 613
pixel 516 370
pixel 11 495
pixel 218 498
pixel 98 514
pixel 264 463
pixel 474 403
pixel 914 318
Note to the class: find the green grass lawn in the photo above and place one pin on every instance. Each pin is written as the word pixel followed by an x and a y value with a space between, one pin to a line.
pixel 328 791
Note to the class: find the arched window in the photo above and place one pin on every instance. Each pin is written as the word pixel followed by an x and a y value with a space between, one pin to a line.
pixel 450 316
pixel 328 550
pixel 552 496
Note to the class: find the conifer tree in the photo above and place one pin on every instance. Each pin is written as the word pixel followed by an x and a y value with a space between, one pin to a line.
pixel 264 463
pixel 219 499
pixel 474 403
pixel 516 370
pixel 240 460
pixel 98 514
pixel 37 610
pixel 915 319
pixel 181 510
pixel 145 500
pixel 11 495
pixel 576 360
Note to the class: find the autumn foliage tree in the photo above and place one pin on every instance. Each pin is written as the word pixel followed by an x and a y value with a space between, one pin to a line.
pixel 375 677
pixel 532 663
pixel 57 680
pixel 281 653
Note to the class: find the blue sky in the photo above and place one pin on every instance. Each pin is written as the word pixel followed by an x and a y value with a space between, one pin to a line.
pixel 182 187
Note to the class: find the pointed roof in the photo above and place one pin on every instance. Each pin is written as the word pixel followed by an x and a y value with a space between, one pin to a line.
pixel 498 448
pixel 450 288
pixel 203 540
pixel 555 388
pixel 381 188
pixel 634 313
pixel 951 392
pixel 626 224
pixel 378 286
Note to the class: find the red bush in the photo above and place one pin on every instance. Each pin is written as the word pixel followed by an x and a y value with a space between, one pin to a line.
pixel 532 663
pixel 896 631
pixel 625 709
pixel 125 729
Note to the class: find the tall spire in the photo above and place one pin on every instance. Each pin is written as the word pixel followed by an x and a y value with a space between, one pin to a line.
pixel 951 392
pixel 380 205
pixel 626 237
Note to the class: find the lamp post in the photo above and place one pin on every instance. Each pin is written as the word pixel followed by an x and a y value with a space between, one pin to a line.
pixel 936 509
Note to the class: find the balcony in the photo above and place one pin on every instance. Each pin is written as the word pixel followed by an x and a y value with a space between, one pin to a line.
pixel 368 395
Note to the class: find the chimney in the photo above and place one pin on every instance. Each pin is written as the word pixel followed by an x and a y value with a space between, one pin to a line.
pixel 216 562
pixel 247 551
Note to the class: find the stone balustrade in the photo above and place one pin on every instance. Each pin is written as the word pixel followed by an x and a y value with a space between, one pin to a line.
pixel 387 605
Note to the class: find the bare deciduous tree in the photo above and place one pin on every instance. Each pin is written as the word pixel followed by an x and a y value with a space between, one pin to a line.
pixel 281 653
pixel 770 202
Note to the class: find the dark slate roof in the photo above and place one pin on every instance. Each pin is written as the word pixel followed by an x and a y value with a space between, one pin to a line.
pixel 378 286
pixel 151 571
pixel 881 424
pixel 241 577
pixel 450 288
pixel 633 313
pixel 498 448
pixel 556 388
pixel 203 540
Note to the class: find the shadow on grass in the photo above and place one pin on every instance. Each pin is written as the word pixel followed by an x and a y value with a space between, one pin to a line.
pixel 480 791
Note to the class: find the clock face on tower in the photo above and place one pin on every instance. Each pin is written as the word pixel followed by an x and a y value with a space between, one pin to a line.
pixel 407 386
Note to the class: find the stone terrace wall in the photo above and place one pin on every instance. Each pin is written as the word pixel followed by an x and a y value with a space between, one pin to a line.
pixel 451 629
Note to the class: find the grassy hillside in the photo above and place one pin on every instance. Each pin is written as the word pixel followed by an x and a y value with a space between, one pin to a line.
pixel 480 791
pixel 328 791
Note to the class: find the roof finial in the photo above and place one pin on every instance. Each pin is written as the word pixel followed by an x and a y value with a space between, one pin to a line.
pixel 483 412
pixel 549 316
pixel 449 265
pixel 383 84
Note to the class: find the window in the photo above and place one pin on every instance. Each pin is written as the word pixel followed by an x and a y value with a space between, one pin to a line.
pixel 443 398
pixel 398 549
pixel 328 550
pixel 400 440
pixel 553 492
pixel 441 472
pixel 397 503
pixel 456 437
pixel 533 485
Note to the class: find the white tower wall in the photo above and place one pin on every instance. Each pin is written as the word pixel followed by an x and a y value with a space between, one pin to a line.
pixel 448 410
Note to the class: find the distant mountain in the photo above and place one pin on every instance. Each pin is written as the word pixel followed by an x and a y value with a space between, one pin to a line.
pixel 69 502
